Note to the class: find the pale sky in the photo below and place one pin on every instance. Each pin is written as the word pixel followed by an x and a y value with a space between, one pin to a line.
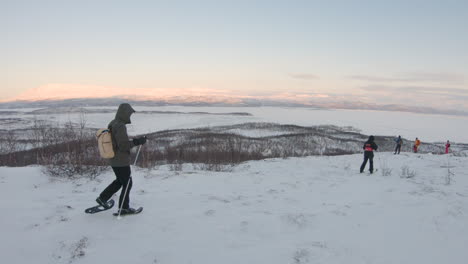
pixel 404 52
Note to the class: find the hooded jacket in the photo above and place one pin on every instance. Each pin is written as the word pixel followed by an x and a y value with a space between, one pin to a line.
pixel 120 140
pixel 370 145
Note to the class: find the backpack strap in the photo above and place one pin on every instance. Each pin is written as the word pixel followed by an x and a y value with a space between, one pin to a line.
pixel 114 141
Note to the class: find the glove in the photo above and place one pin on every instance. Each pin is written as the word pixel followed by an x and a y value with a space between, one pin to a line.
pixel 139 141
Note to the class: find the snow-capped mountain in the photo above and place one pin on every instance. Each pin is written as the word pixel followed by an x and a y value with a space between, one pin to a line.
pixel 93 95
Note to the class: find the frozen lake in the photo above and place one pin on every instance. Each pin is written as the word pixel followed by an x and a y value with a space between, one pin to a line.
pixel 429 128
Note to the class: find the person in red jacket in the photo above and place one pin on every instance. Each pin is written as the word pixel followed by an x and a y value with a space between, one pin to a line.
pixel 447 147
pixel 369 148
pixel 417 142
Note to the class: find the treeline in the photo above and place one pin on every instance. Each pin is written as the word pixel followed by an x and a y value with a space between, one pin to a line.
pixel 72 150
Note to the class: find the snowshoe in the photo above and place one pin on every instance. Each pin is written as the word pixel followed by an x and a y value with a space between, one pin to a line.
pixel 129 211
pixel 99 208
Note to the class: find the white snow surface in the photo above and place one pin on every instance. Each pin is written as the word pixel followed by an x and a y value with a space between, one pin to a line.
pixel 296 210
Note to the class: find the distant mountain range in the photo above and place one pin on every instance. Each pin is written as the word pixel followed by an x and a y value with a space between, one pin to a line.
pixel 78 95
pixel 223 102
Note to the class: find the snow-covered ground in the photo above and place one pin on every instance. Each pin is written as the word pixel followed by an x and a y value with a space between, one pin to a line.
pixel 429 128
pixel 297 210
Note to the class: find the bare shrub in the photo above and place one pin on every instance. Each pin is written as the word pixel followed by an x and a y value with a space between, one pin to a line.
pixel 219 149
pixel 11 143
pixel 406 172
pixel 79 155
pixel 72 149
pixel 177 166
pixel 322 145
pixel 384 169
pixel 73 170
pixel 460 153
pixel 214 167
pixel 65 151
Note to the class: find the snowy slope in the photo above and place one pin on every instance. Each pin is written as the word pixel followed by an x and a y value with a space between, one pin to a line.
pixel 298 210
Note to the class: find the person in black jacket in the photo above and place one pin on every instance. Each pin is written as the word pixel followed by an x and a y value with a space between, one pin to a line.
pixel 120 163
pixel 369 148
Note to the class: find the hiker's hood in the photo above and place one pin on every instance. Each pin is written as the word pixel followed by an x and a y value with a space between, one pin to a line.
pixel 124 112
pixel 371 139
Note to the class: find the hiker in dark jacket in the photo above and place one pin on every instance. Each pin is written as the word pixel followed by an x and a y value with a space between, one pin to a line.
pixel 369 148
pixel 398 141
pixel 120 163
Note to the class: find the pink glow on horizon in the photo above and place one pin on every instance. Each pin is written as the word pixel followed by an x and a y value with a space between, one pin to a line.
pixel 71 91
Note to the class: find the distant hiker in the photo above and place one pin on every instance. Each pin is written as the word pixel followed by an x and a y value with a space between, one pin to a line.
pixel 369 148
pixel 398 141
pixel 447 147
pixel 120 163
pixel 417 142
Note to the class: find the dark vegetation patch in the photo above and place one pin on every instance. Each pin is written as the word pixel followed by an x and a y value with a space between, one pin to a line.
pixel 72 149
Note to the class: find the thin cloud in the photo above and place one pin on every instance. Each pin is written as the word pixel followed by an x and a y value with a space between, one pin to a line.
pixel 415 89
pixel 304 76
pixel 287 95
pixel 441 78
pixel 418 95
pixel 371 78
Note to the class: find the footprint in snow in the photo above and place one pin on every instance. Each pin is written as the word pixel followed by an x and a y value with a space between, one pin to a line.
pixel 244 226
pixel 215 198
pixel 298 220
pixel 314 252
pixel 338 212
pixel 32 226
pixel 210 212
pixel 301 256
pixel 272 191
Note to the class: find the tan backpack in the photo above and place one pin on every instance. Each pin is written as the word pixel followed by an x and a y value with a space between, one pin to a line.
pixel 104 139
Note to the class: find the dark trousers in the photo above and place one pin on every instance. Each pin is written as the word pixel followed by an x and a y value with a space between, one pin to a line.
pixel 397 149
pixel 368 155
pixel 123 178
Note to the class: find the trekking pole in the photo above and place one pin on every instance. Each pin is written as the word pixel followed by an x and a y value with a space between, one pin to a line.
pixel 128 183
pixel 449 173
pixel 138 154
pixel 380 161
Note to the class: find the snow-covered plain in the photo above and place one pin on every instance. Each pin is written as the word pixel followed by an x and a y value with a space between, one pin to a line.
pixel 296 210
pixel 429 128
